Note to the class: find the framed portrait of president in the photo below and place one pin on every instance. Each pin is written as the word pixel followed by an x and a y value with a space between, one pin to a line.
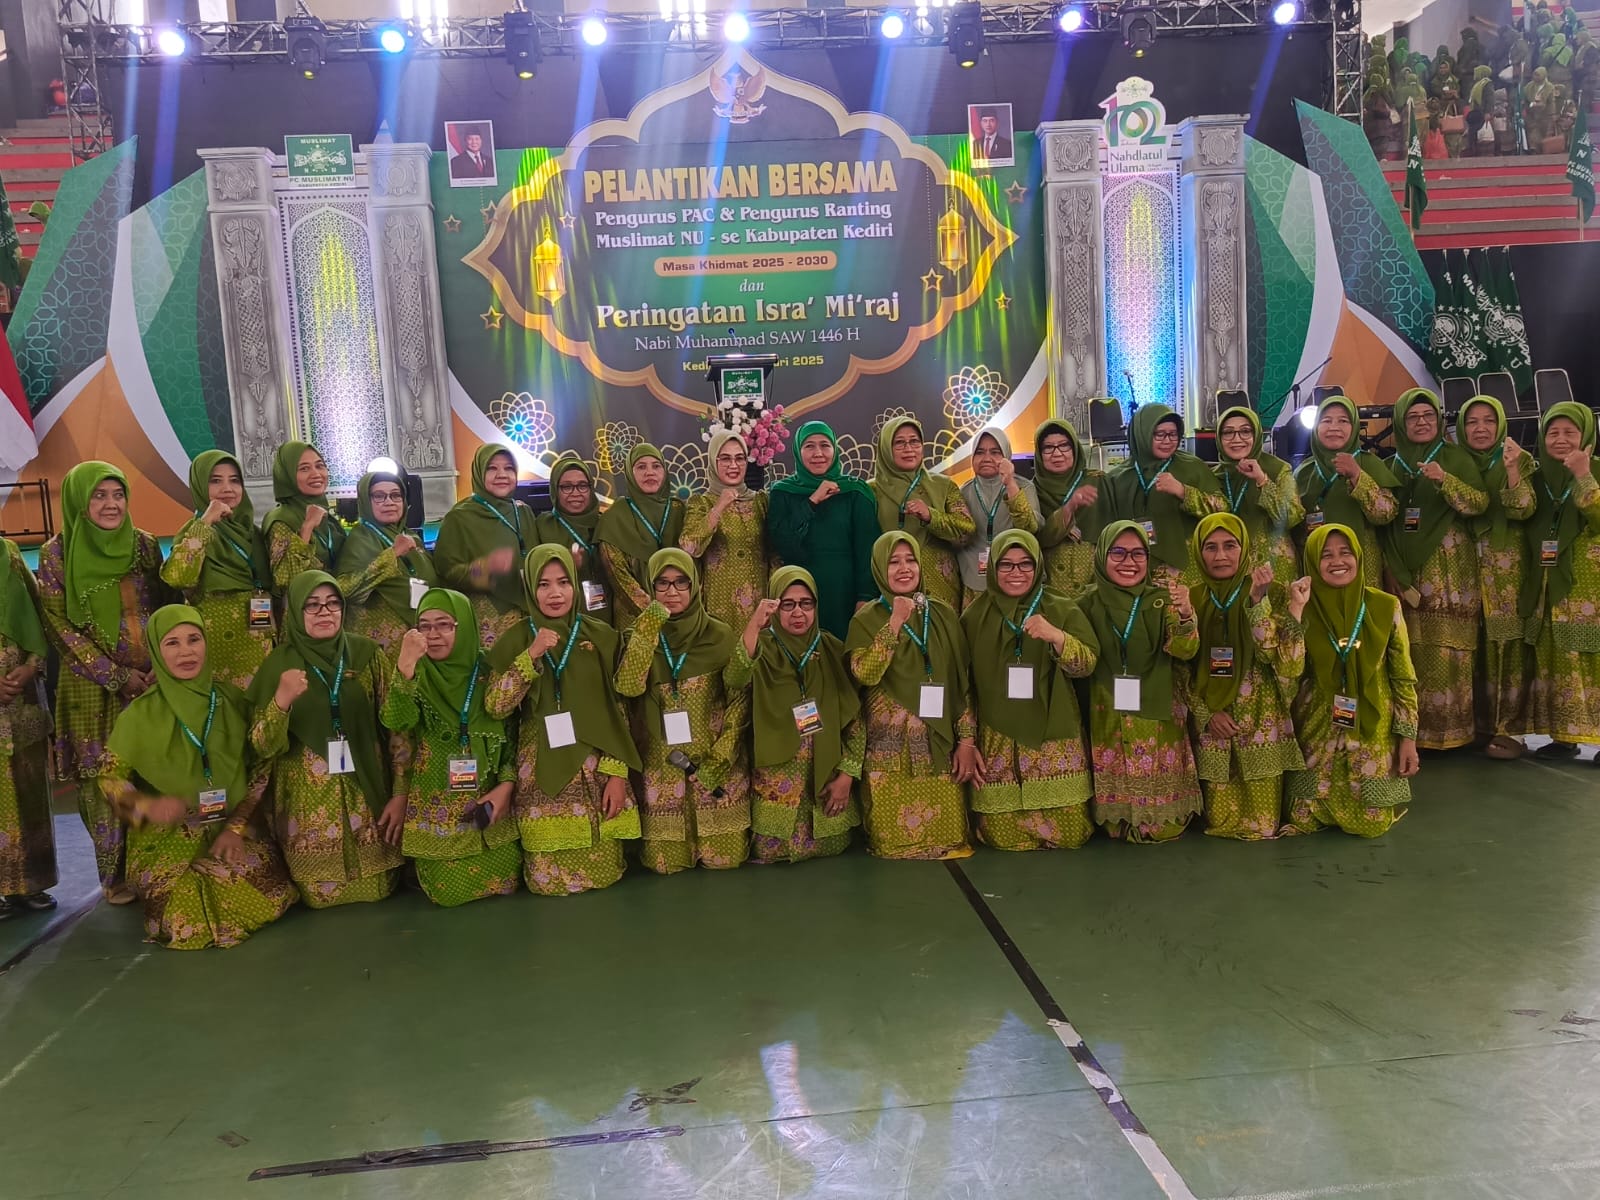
pixel 990 135
pixel 471 148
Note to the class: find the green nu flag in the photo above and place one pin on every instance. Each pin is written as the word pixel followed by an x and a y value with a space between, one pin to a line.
pixel 1580 161
pixel 10 254
pixel 1416 181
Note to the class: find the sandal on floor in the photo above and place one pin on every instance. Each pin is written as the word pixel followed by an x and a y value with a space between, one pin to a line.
pixel 1557 750
pixel 121 894
pixel 1505 748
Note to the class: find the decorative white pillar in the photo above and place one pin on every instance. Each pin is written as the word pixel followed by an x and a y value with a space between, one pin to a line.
pixel 255 314
pixel 415 378
pixel 1213 207
pixel 1074 262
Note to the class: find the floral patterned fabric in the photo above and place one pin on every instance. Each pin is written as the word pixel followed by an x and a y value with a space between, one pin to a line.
pixel 234 650
pixel 947 529
pixel 1504 658
pixel 1379 507
pixel 1564 692
pixel 733 558
pixel 27 831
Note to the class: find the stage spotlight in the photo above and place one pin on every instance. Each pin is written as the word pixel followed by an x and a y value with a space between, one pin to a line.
pixel 892 25
pixel 1308 416
pixel 171 42
pixel 736 28
pixel 964 33
pixel 392 39
pixel 594 31
pixel 1138 28
pixel 522 43
pixel 306 39
pixel 1284 12
pixel 1070 20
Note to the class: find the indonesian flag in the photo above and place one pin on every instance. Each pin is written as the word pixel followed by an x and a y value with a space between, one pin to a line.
pixel 18 446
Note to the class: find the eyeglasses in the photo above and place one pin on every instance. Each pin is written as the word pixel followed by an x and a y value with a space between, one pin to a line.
pixel 728 460
pixel 673 585
pixel 1007 567
pixel 1164 435
pixel 1119 554
pixel 334 605
pixel 385 497
pixel 444 626
pixel 789 606
pixel 1237 435
pixel 572 489
pixel 1055 447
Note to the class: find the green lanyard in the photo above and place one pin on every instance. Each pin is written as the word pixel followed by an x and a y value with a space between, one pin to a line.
pixel 993 509
pixel 1127 631
pixel 1349 644
pixel 658 534
pixel 1234 502
pixel 1417 470
pixel 921 643
pixel 1140 473
pixel 1327 483
pixel 1016 626
pixel 578 537
pixel 557 669
pixel 466 705
pixel 324 537
pixel 800 663
pixel 501 517
pixel 249 561
pixel 199 743
pixel 673 668
pixel 1557 506
pixel 915 479
pixel 388 542
pixel 333 691
pixel 1222 606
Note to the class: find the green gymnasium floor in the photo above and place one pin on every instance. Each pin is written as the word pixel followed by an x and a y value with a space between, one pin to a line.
pixel 1411 1019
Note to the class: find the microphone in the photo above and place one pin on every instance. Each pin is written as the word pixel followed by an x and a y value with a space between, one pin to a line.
pixel 479 815
pixel 1133 395
pixel 687 765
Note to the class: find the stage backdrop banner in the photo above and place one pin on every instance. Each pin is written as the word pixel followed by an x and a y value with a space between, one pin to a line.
pixel 743 211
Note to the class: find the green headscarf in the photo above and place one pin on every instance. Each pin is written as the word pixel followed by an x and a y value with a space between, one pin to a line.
pixel 893 487
pixel 641 524
pixel 1109 607
pixel 19 610
pixel 1408 551
pixel 563 527
pixel 946 660
pixel 699 643
pixel 586 681
pixel 992 624
pixel 1133 486
pixel 1495 521
pixel 236 557
pixel 802 482
pixel 1331 616
pixel 149 735
pixel 1554 515
pixel 368 539
pixel 779 686
pixel 311 716
pixel 482 523
pixel 460 680
pixel 328 536
pixel 1221 609
pixel 1243 495
pixel 1324 490
pixel 95 561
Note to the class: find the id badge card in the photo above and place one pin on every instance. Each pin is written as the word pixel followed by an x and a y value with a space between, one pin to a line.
pixel 1314 519
pixel 463 774
pixel 1222 662
pixel 339 760
pixel 419 589
pixel 213 804
pixel 1344 712
pixel 930 704
pixel 1019 683
pixel 1125 693
pixel 558 729
pixel 983 559
pixel 594 595
pixel 678 732
pixel 1549 552
pixel 1149 531
pixel 260 611
pixel 806 718
pixel 1413 520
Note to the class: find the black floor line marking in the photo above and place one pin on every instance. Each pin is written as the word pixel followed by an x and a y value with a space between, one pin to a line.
pixel 455 1152
pixel 1138 1137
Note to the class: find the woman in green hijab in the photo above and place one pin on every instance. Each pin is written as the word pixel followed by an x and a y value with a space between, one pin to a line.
pixel 1028 644
pixel 1501 685
pixel 483 538
pixel 302 532
pixel 394 570
pixel 1430 553
pixel 1561 591
pixel 180 773
pixel 315 705
pixel 807 743
pixel 689 723
pixel 646 520
pixel 99 581
pixel 1356 712
pixel 908 651
pixel 1145 788
pixel 219 563
pixel 822 520
pixel 1259 489
pixel 998 501
pixel 1164 490
pixel 27 830
pixel 574 808
pixel 461 762
pixel 574 522
pixel 1073 501
pixel 1252 652
pixel 926 505
pixel 725 532
pixel 1341 484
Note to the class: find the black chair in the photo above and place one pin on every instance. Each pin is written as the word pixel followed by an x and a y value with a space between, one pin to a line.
pixel 1319 394
pixel 1232 398
pixel 1551 386
pixel 1503 388
pixel 1105 420
pixel 1456 391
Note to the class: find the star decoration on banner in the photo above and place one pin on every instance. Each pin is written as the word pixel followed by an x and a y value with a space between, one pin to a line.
pixel 1003 301
pixel 1015 193
pixel 492 318
pixel 567 221
pixel 452 224
pixel 488 213
pixel 931 281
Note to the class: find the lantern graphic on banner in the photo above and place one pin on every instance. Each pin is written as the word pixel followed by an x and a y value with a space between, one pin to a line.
pixel 952 240
pixel 549 273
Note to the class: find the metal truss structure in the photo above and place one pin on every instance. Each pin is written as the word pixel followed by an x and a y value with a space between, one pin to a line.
pixel 87 41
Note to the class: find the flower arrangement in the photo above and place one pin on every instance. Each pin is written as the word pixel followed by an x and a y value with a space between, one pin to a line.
pixel 762 428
